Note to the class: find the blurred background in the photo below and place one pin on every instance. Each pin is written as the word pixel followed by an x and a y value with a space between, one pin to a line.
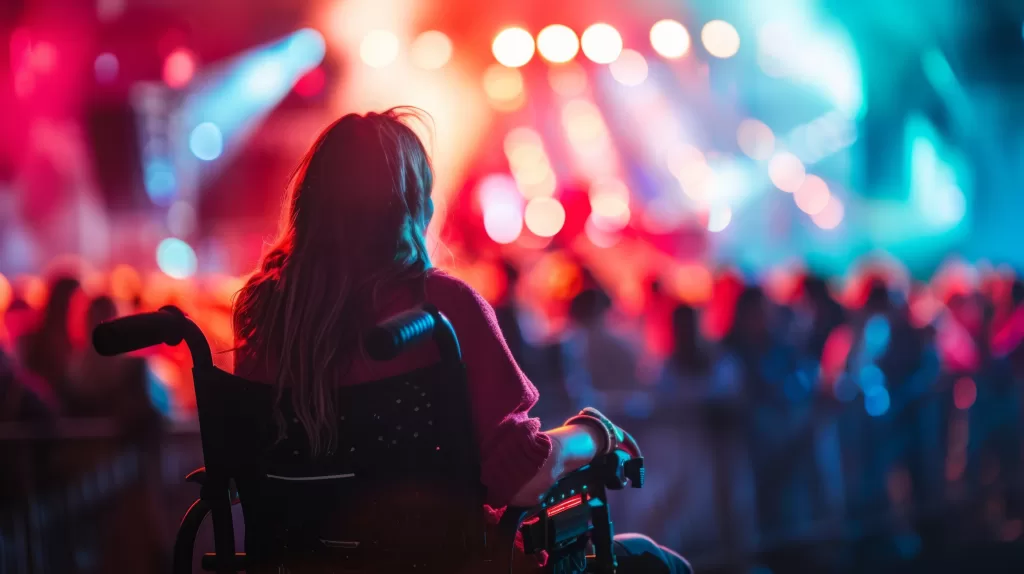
pixel 778 240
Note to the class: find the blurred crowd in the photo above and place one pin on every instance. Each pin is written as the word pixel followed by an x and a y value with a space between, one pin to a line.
pixel 769 409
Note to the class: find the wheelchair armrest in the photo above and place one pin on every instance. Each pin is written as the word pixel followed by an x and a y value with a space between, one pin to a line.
pixel 566 512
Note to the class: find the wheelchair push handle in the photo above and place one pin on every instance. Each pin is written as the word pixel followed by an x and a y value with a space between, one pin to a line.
pixel 168 326
pixel 135 332
pixel 395 335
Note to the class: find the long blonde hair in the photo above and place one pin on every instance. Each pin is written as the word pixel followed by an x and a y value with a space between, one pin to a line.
pixel 354 220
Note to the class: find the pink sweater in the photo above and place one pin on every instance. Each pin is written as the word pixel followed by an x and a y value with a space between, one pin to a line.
pixel 512 448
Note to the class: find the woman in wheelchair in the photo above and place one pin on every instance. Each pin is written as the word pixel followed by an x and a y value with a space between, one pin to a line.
pixel 352 252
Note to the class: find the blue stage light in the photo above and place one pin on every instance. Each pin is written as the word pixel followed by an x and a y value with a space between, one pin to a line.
pixel 206 141
pixel 876 401
pixel 176 258
pixel 160 181
pixel 228 104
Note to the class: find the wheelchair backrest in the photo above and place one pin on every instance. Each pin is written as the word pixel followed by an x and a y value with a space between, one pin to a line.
pixel 401 480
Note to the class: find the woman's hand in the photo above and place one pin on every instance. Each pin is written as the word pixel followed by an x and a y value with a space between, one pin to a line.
pixel 614 437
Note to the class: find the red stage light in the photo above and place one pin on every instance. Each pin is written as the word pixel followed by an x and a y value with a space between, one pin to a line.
pixel 179 67
pixel 311 84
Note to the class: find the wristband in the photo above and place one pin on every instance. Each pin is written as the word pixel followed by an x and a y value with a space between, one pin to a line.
pixel 598 425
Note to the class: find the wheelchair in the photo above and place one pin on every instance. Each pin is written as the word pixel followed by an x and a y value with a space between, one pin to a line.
pixel 400 492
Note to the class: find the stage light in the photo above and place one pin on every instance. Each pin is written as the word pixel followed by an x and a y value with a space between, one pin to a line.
pixel 755 139
pixel 502 84
pixel 106 67
pixel 670 39
pixel 520 137
pixel 502 208
pixel 812 196
pixel 876 401
pixel 503 224
pixel 307 45
pixel 601 43
pixel 179 67
pixel 583 122
pixel 504 88
pixel 176 258
pixel 558 44
pixel 786 171
pixel 379 48
pixel 720 39
pixel 831 216
pixel 568 80
pixel 160 181
pixel 630 69
pixel 609 187
pixel 609 211
pixel 719 218
pixel 597 236
pixel 206 141
pixel 266 77
pixel 544 216
pixel 431 50
pixel 513 47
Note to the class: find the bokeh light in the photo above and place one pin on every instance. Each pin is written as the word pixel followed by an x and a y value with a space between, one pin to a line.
pixel 670 39
pixel 513 47
pixel 529 163
pixel 431 50
pixel 160 181
pixel 831 216
pixel 755 139
pixel 786 171
pixel 719 218
pixel 583 122
pixel 601 43
pixel 206 141
pixel 720 39
pixel 558 44
pixel 544 216
pixel 609 211
pixel 502 207
pixel 106 68
pixel 876 401
pixel 179 67
pixel 568 80
pixel 630 69
pixel 379 48
pixel 598 236
pixel 176 258
pixel 504 87
pixel 812 196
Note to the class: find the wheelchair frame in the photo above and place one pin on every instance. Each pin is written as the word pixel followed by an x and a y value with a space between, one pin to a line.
pixel 573 514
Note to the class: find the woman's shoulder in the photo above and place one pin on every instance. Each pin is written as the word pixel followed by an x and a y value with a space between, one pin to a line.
pixel 442 286
pixel 457 299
